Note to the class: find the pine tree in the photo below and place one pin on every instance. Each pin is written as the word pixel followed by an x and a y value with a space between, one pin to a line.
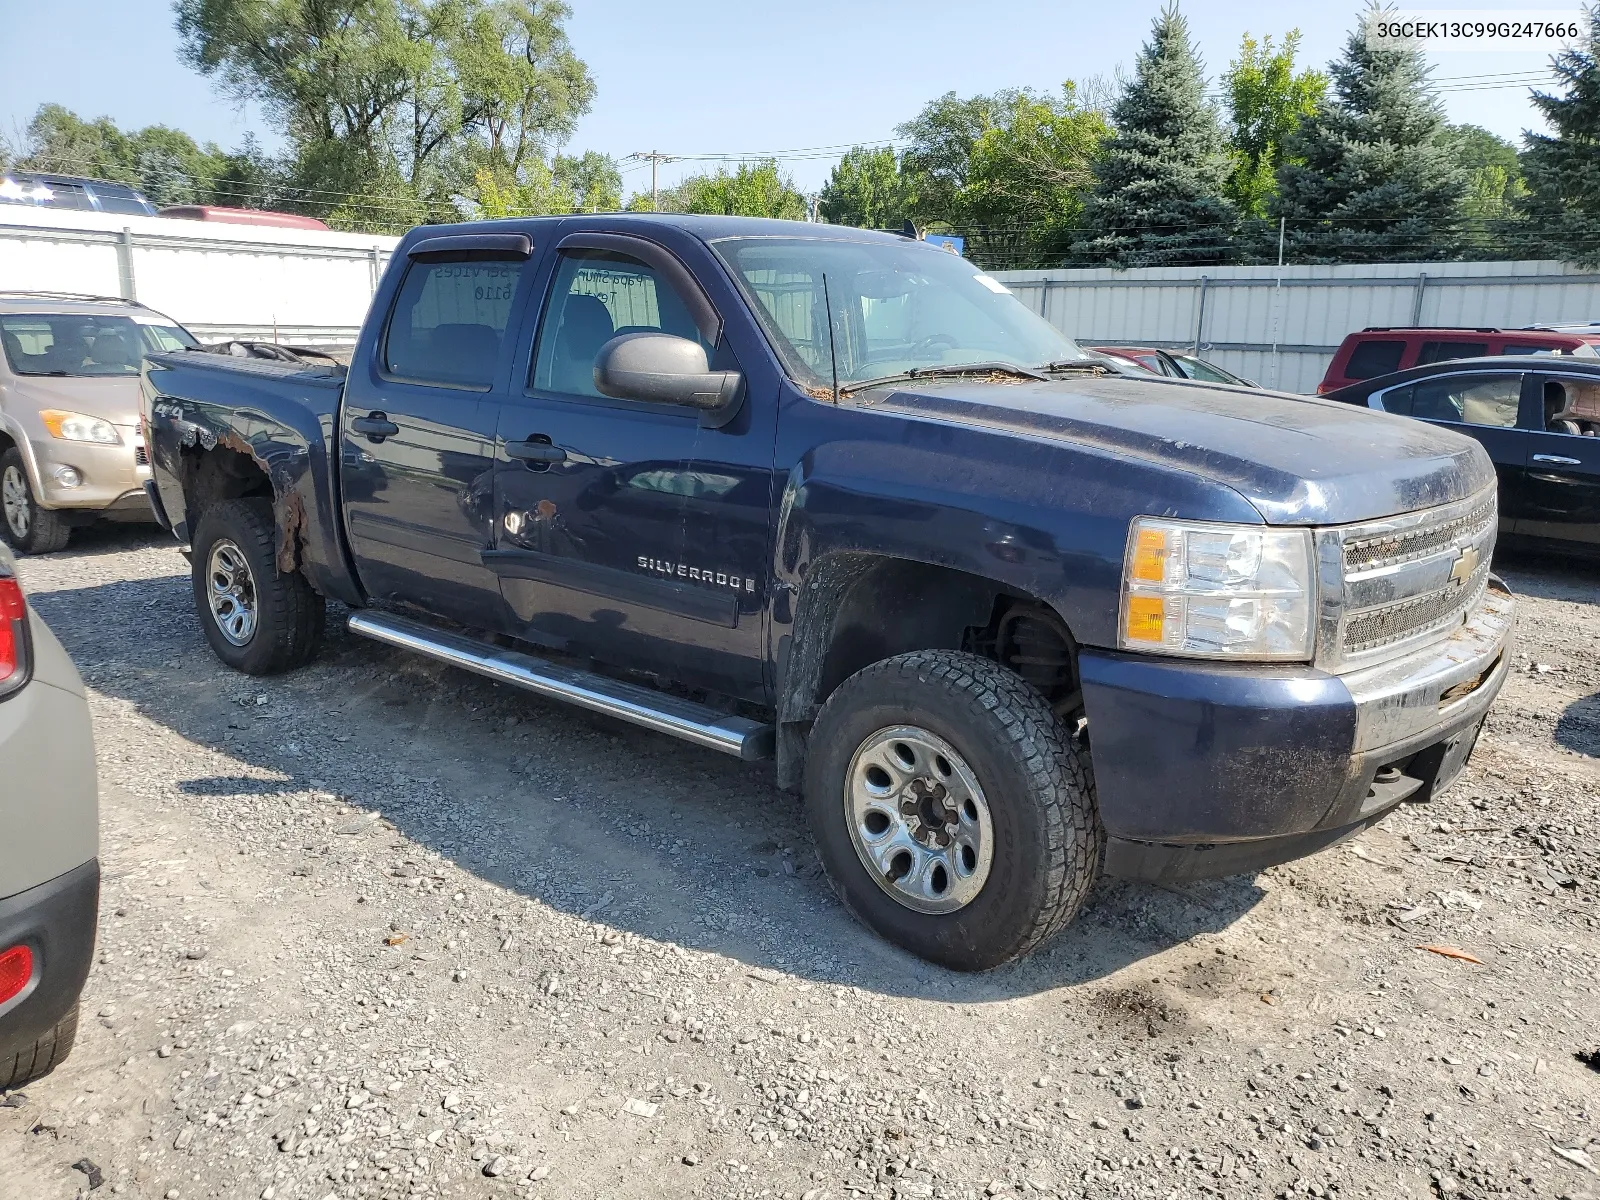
pixel 1370 176
pixel 1158 198
pixel 1563 171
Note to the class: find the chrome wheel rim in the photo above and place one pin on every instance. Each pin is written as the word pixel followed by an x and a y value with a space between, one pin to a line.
pixel 17 502
pixel 919 820
pixel 232 591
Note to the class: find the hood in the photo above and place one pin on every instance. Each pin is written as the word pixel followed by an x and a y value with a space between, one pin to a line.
pixel 114 398
pixel 1297 459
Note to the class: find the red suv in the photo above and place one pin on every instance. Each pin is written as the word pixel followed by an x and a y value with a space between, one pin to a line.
pixel 1380 350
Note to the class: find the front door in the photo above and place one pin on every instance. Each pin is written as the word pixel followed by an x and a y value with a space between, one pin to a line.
pixel 1563 462
pixel 418 441
pixel 640 537
pixel 1484 405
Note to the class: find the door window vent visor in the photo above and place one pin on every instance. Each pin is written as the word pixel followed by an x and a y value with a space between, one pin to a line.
pixel 473 247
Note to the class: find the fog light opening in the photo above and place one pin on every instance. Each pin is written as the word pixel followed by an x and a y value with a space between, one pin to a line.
pixel 69 477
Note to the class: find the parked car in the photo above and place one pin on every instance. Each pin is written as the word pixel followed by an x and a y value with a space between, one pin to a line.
pixel 1010 617
pixel 1382 350
pixel 71 447
pixel 241 216
pixel 49 841
pixel 44 190
pixel 1539 419
pixel 1174 365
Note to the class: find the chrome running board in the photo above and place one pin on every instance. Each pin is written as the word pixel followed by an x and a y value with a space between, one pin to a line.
pixel 698 723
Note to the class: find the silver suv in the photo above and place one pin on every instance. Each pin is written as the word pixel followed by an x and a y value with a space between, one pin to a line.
pixel 49 841
pixel 71 447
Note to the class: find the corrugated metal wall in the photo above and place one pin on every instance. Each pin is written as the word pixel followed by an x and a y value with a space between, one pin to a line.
pixel 1280 327
pixel 220 280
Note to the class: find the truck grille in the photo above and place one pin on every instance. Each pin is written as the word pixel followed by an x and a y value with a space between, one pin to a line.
pixel 141 456
pixel 1379 627
pixel 1406 579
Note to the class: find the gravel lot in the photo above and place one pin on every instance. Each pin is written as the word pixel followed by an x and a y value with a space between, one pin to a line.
pixel 379 928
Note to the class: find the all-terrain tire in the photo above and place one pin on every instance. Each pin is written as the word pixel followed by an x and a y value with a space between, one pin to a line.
pixel 289 614
pixel 1048 841
pixel 45 531
pixel 44 1056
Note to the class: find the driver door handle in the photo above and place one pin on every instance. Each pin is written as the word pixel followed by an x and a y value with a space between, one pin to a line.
pixel 1558 460
pixel 374 427
pixel 533 451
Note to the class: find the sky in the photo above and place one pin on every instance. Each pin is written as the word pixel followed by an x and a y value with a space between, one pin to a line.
pixel 737 77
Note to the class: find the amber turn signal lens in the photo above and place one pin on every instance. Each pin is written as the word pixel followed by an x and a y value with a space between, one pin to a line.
pixel 1146 618
pixel 1150 556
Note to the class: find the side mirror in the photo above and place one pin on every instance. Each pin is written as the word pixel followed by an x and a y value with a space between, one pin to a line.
pixel 658 368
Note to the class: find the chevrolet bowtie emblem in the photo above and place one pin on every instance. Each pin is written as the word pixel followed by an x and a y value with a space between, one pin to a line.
pixel 1466 564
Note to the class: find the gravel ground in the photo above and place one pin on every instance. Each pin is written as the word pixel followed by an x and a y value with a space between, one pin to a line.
pixel 383 929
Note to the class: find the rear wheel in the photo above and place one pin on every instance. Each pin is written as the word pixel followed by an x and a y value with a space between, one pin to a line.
pixel 954 816
pixel 27 528
pixel 258 619
pixel 44 1056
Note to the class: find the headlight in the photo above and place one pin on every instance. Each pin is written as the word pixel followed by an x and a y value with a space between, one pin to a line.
pixel 75 427
pixel 1217 591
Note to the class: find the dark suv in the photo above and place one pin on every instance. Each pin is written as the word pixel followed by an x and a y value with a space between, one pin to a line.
pixel 1539 419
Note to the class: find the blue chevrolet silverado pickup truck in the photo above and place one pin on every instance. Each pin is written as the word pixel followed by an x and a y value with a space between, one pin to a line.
pixel 1009 619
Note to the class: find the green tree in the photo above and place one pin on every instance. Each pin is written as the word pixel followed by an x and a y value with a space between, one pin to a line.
pixel 757 189
pixel 1027 180
pixel 1563 168
pixel 391 107
pixel 942 136
pixel 1491 224
pixel 1266 99
pixel 593 180
pixel 165 164
pixel 1369 176
pixel 1158 199
pixel 867 189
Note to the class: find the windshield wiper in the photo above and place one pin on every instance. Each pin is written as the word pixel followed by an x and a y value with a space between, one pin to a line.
pixel 945 370
pixel 1086 366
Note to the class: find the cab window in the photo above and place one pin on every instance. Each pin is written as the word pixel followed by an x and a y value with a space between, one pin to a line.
pixel 598 295
pixel 449 321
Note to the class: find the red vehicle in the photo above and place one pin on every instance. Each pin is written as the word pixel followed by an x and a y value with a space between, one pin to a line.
pixel 1380 349
pixel 240 216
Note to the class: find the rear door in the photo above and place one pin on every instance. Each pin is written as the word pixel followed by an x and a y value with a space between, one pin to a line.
pixel 1485 405
pixel 419 415
pixel 640 537
pixel 1563 460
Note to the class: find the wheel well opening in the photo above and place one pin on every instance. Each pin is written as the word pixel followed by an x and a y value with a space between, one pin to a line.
pixel 856 610
pixel 212 476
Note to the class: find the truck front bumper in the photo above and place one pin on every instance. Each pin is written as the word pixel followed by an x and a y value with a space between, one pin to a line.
pixel 1206 769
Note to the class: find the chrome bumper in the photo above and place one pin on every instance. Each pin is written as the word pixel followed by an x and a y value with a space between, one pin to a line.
pixel 1437 686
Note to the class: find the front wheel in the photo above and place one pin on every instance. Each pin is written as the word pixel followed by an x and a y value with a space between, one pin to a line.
pixel 258 619
pixel 951 812
pixel 27 528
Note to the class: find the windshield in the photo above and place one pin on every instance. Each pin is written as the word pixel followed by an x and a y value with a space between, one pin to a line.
pixel 73 344
pixel 897 307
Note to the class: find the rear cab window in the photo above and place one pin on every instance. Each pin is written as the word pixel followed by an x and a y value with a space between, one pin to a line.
pixel 1377 357
pixel 449 323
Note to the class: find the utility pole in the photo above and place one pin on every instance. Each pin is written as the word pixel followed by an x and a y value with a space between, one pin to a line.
pixel 655 158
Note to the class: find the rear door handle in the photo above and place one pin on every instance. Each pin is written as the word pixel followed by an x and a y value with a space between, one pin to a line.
pixel 535 451
pixel 374 426
pixel 1558 460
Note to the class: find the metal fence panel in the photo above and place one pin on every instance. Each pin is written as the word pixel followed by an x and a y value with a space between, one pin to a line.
pixel 1281 326
pixel 220 280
